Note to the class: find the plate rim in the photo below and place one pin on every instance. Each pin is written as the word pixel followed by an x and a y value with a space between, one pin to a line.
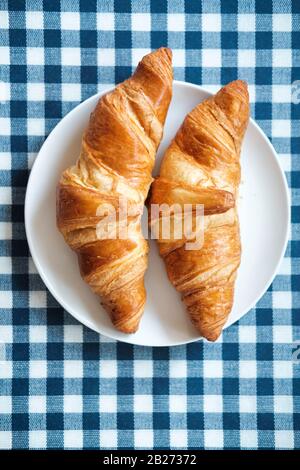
pixel 128 339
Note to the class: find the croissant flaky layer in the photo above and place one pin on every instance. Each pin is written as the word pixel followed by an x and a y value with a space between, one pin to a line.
pixel 202 166
pixel 115 163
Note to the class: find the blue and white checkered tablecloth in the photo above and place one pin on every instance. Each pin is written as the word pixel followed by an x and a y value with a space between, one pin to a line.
pixel 63 386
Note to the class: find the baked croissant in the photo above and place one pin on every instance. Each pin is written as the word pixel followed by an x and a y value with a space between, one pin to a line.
pixel 201 166
pixel 116 161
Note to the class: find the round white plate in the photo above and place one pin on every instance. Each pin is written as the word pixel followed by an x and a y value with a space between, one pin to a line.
pixel 264 219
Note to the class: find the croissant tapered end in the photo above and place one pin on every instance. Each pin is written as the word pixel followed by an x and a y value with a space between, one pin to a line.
pixel 126 305
pixel 210 311
pixel 233 90
pixel 154 74
pixel 159 59
pixel 237 85
pixel 234 101
pixel 159 54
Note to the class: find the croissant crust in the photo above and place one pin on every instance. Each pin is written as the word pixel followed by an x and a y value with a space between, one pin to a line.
pixel 116 161
pixel 202 166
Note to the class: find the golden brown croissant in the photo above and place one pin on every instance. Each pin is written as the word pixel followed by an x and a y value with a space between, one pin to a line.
pixel 201 166
pixel 116 160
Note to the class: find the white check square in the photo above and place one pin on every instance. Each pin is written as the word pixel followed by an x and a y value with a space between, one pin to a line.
pixel 211 22
pixel 108 439
pixel 282 299
pixel 5 264
pixel 4 127
pixel 38 439
pixel 143 368
pixel 143 404
pixel 6 333
pixel 283 369
pixel 5 162
pixel 38 369
pixel 5 299
pixel 284 439
pixel 35 55
pixel 177 403
pixel 247 333
pixel 73 439
pixel 143 439
pixel 37 404
pixel 281 94
pixel 283 334
pixel 283 404
pixel 73 404
pixel 5 370
pixel 106 57
pixel 5 405
pixel 108 369
pixel 5 440
pixel 4 20
pixel 213 403
pixel 38 299
pixel 212 369
pixel 246 22
pixel 73 334
pixel 282 22
pixel 211 58
pixel 248 369
pixel 71 91
pixel 176 22
pixel 178 439
pixel 5 196
pixel 248 403
pixel 108 403
pixel 35 126
pixel 105 21
pixel 249 439
pixel 246 57
pixel 5 234
pixel 285 267
pixel 34 20
pixel 281 128
pixel 141 22
pixel 70 20
pixel 213 438
pixel 282 57
pixel 35 91
pixel 73 369
pixel 178 57
pixel 37 333
pixel 4 56
pixel 178 368
pixel 70 56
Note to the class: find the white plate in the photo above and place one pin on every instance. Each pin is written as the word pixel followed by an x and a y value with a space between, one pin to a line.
pixel 264 218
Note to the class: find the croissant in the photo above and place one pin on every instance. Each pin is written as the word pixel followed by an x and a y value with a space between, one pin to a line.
pixel 201 166
pixel 115 164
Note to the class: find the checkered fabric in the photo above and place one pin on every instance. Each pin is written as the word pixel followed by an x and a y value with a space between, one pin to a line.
pixel 63 386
